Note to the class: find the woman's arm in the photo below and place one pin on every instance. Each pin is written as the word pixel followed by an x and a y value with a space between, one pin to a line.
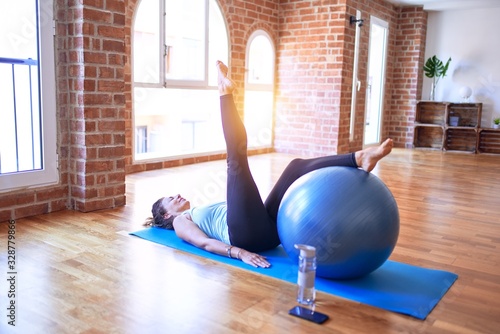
pixel 188 231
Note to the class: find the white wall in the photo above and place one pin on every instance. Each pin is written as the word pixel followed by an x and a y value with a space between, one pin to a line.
pixel 472 39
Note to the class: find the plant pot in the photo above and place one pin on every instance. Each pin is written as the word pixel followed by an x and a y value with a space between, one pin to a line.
pixel 433 91
pixel 496 126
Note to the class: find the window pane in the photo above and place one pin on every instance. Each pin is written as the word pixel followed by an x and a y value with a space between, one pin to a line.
pixel 147 42
pixel 217 41
pixel 27 118
pixel 259 90
pixel 178 121
pixel 141 139
pixel 258 118
pixel 18 29
pixel 185 39
pixel 174 122
pixel 261 61
pixel 21 146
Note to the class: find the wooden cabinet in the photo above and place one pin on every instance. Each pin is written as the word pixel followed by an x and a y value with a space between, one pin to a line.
pixel 447 126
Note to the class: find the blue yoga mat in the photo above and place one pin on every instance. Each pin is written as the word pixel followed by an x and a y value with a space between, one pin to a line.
pixel 394 286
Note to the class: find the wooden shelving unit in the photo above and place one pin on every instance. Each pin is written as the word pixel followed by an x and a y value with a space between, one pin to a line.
pixel 460 140
pixel 469 114
pixel 430 137
pixel 431 113
pixel 429 125
pixel 489 141
pixel 435 127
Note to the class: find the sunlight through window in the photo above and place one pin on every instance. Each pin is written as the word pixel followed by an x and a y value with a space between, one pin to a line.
pixel 259 90
pixel 176 106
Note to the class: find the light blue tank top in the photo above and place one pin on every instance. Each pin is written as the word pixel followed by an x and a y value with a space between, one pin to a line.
pixel 212 220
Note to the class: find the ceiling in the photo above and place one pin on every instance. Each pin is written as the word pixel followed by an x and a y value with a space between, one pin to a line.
pixel 441 5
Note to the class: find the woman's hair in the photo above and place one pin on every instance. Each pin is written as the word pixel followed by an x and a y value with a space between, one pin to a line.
pixel 158 219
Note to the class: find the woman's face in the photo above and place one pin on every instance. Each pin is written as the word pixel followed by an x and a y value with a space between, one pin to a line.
pixel 175 204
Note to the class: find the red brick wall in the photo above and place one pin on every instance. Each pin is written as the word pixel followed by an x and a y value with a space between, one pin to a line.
pixel 316 57
pixel 407 74
pixel 311 76
pixel 315 46
pixel 96 103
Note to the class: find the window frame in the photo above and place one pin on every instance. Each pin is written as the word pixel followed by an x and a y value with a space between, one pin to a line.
pixel 259 87
pixel 49 173
pixel 209 83
pixel 177 83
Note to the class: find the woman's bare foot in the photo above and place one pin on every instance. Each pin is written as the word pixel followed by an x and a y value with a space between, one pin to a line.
pixel 226 85
pixel 367 159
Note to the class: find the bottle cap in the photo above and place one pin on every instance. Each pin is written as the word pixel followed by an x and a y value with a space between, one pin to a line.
pixel 306 250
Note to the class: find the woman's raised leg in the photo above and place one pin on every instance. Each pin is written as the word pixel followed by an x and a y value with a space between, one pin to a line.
pixel 250 226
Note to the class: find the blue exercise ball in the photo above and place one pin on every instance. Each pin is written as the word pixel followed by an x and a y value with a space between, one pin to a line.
pixel 349 215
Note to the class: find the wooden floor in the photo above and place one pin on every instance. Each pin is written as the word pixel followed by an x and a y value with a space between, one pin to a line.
pixel 83 273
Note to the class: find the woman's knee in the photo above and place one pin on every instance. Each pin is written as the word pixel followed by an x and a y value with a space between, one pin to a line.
pixel 295 165
pixel 297 162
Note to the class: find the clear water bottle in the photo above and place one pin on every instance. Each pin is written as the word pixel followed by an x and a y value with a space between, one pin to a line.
pixel 307 274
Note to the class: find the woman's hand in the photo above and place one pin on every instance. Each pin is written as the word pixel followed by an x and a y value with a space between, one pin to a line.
pixel 254 259
pixel 188 231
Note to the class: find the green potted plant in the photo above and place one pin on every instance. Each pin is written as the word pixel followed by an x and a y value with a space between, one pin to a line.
pixel 435 69
pixel 496 123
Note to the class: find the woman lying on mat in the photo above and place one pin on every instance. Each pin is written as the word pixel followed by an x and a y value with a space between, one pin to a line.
pixel 244 224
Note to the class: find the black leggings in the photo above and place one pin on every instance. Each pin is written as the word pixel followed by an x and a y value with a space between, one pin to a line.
pixel 252 222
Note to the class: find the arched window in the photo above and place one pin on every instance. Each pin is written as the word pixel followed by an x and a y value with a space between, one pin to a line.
pixel 259 90
pixel 176 106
